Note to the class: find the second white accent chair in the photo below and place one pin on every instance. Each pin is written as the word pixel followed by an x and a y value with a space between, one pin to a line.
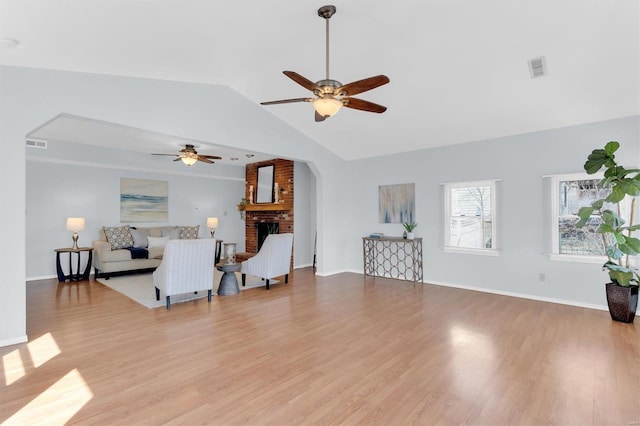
pixel 187 266
pixel 273 259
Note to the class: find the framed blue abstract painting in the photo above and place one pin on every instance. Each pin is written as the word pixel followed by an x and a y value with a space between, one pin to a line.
pixel 144 200
pixel 397 203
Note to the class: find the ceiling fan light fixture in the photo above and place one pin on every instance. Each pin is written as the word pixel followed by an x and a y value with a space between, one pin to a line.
pixel 330 94
pixel 189 160
pixel 327 106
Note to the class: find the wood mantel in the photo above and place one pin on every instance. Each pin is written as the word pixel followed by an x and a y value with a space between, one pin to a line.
pixel 264 207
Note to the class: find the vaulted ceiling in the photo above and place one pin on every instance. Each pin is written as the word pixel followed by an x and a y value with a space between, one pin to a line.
pixel 458 68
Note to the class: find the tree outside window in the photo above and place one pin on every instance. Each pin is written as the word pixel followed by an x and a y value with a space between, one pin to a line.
pixel 470 215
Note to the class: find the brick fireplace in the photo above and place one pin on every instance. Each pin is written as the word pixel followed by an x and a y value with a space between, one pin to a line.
pixel 280 214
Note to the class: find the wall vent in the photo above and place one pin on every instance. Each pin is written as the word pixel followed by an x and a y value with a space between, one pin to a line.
pixel 538 67
pixel 36 143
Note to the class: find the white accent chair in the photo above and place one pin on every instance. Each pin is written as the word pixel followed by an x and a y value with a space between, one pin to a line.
pixel 187 266
pixel 273 259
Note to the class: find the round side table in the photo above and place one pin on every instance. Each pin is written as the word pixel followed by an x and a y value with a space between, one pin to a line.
pixel 228 282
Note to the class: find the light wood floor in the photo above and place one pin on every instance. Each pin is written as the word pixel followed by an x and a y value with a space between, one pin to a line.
pixel 335 350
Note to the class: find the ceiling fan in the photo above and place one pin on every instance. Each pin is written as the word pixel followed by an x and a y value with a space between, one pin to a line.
pixel 190 156
pixel 331 95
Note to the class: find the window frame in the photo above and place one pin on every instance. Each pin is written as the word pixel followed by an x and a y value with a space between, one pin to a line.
pixel 493 251
pixel 555 254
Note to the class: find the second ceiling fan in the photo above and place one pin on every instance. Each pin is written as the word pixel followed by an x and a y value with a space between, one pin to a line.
pixel 331 95
pixel 189 156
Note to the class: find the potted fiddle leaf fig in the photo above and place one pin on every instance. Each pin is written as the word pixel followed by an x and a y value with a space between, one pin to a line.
pixel 616 228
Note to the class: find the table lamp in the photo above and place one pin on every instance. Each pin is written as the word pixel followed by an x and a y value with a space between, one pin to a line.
pixel 75 224
pixel 212 224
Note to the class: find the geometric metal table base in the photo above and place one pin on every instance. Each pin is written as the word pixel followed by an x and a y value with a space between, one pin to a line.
pixel 393 257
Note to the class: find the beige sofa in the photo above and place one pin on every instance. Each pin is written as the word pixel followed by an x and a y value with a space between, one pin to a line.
pixel 109 262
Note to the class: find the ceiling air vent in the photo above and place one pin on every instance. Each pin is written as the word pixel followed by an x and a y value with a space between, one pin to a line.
pixel 537 67
pixel 36 143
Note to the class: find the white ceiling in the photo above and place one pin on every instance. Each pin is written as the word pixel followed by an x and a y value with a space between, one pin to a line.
pixel 458 68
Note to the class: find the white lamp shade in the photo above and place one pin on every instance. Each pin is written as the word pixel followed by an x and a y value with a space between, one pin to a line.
pixel 75 224
pixel 327 106
pixel 189 161
pixel 212 222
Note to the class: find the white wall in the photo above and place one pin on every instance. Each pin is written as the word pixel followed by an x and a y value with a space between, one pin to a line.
pixel 89 187
pixel 304 202
pixel 521 162
pixel 13 321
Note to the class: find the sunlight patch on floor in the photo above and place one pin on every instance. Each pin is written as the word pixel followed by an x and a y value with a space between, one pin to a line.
pixel 43 349
pixel 472 361
pixel 13 367
pixel 56 405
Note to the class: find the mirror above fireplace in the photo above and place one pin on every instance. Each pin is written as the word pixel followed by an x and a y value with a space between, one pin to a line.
pixel 265 184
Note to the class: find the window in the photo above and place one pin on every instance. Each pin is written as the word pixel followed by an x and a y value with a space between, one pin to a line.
pixel 569 194
pixel 470 217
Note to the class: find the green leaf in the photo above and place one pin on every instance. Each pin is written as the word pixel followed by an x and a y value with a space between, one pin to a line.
pixel 621 278
pixel 627 249
pixel 620 274
pixel 617 195
pixel 597 204
pixel 629 187
pixel 409 226
pixel 634 243
pixel 612 219
pixel 630 228
pixel 620 239
pixel 606 182
pixel 613 252
pixel 595 161
pixel 584 214
pixel 628 171
pixel 605 229
pixel 617 171
pixel 611 147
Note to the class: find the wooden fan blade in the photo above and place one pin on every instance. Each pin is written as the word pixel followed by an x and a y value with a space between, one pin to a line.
pixel 320 117
pixel 362 85
pixel 204 160
pixel 212 157
pixel 287 101
pixel 302 81
pixel 171 155
pixel 363 105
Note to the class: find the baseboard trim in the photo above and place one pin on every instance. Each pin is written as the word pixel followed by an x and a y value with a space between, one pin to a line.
pixel 511 294
pixel 520 295
pixel 308 265
pixel 327 274
pixel 44 277
pixel 14 341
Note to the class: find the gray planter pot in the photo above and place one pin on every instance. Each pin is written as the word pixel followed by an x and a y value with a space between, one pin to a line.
pixel 622 301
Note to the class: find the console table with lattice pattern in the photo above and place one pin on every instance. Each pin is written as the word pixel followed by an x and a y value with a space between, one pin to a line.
pixel 393 257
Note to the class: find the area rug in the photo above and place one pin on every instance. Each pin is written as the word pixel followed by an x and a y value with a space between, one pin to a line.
pixel 140 288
